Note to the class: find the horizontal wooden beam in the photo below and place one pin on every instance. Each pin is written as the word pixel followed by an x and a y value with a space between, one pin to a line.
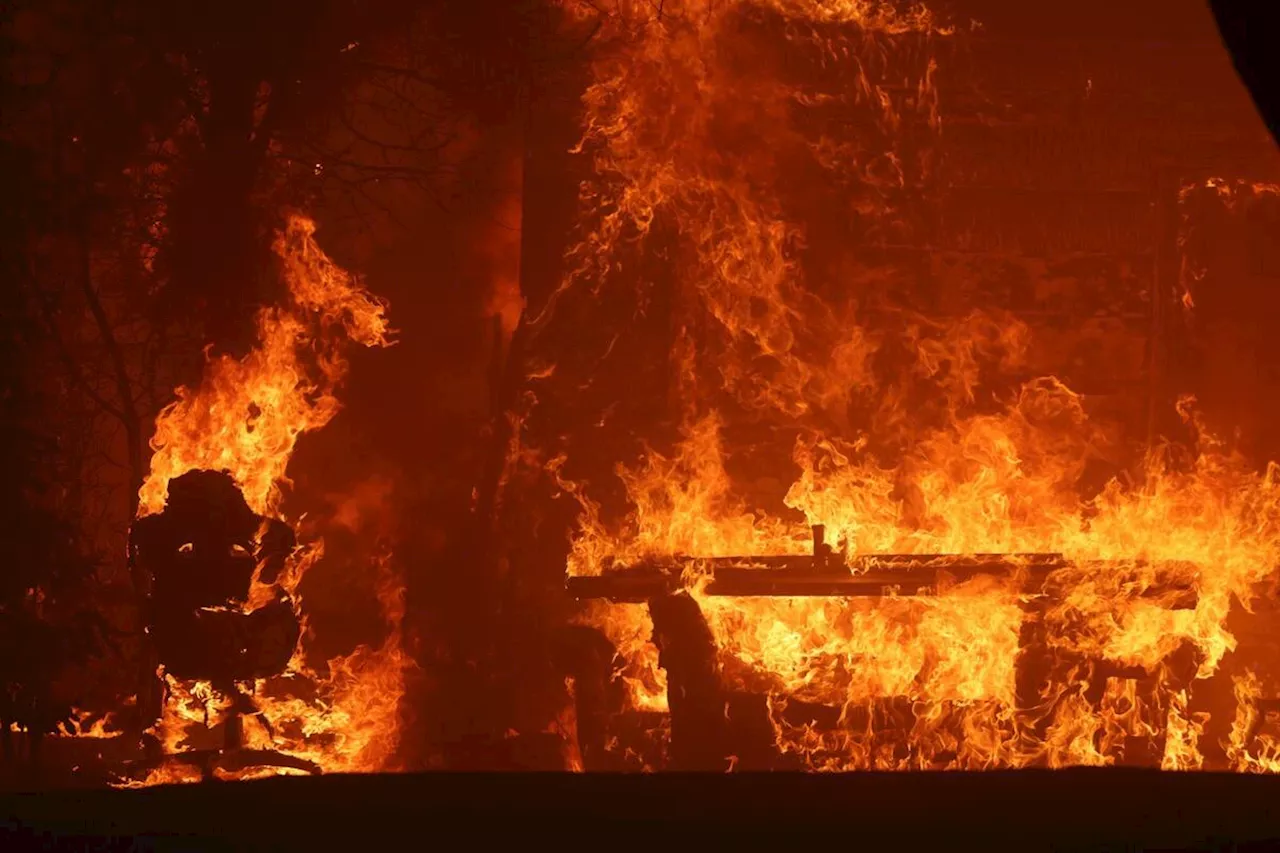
pixel 864 576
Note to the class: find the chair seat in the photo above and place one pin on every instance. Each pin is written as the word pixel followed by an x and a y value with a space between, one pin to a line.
pixel 227 645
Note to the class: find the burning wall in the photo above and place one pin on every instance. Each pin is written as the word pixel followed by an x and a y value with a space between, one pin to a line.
pixel 769 182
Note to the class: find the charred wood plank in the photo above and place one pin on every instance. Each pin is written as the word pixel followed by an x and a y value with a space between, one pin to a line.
pixel 624 586
pixel 865 576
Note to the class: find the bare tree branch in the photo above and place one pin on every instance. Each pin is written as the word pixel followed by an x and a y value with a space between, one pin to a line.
pixel 127 412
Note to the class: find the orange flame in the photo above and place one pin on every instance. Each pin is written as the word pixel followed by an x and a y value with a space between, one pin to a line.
pixel 247 415
pixel 245 418
pixel 681 130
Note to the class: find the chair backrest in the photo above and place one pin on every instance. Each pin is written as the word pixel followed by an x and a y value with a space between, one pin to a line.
pixel 199 557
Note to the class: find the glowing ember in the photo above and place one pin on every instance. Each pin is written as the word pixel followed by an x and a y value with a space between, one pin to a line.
pixel 884 466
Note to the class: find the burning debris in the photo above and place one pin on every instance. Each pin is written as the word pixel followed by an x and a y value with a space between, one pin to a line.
pixel 947 581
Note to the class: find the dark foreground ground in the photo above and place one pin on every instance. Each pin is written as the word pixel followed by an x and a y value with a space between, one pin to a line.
pixel 1072 809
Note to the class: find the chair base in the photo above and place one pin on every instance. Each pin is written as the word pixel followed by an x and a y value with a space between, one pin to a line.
pixel 233 760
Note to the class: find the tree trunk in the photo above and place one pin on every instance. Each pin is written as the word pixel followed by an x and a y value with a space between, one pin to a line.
pixel 217 239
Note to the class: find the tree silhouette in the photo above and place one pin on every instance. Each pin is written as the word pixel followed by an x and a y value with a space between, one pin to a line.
pixel 47 622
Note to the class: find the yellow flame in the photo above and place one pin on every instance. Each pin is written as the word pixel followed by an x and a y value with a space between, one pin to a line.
pixel 680 129
pixel 247 414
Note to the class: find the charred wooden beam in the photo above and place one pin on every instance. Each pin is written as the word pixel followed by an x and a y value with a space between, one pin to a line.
pixel 805 575
pixel 763 582
pixel 827 575
pixel 624 586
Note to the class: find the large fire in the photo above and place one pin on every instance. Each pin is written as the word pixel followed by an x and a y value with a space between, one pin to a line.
pixel 245 418
pixel 908 432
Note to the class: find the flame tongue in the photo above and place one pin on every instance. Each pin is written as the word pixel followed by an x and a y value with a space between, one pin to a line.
pixel 247 415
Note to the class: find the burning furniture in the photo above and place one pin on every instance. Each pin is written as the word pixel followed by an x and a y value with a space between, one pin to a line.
pixel 708 724
pixel 212 613
pixel 939 343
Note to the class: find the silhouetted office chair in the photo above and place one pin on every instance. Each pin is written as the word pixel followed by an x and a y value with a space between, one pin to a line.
pixel 197 560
